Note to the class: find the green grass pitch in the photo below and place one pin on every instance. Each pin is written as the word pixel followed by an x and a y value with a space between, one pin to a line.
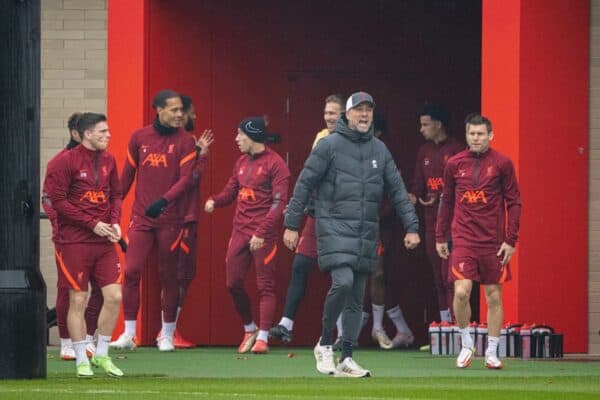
pixel 220 373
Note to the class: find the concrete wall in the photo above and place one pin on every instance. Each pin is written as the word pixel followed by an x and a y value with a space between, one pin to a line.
pixel 73 79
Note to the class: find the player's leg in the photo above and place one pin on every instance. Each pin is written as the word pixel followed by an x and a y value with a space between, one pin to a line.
pixel 140 241
pixel 377 289
pixel 92 311
pixel 237 264
pixel 439 284
pixel 264 261
pixel 185 274
pixel 168 241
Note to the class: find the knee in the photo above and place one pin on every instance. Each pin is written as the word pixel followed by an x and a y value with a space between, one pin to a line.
pixel 461 294
pixel 113 299
pixel 343 285
pixel 234 285
pixel 131 276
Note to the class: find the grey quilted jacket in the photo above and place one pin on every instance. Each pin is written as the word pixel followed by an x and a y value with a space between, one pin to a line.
pixel 350 172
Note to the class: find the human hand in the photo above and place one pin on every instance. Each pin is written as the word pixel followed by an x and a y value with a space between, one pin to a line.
pixel 506 252
pixel 431 198
pixel 256 242
pixel 411 240
pixel 443 250
pixel 103 229
pixel 290 239
pixel 205 140
pixel 209 206
pixel 412 198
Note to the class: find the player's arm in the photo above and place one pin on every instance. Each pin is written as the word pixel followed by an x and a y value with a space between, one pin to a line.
pixel 59 181
pixel 116 194
pixel 512 199
pixel 187 163
pixel 417 188
pixel 130 166
pixel 280 181
pixel 315 167
pixel 445 212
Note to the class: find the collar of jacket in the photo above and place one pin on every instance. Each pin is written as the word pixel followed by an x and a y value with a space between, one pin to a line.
pixel 258 155
pixel 479 155
pixel 163 130
pixel 72 143
pixel 342 128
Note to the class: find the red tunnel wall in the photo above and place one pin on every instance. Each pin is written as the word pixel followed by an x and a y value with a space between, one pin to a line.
pixel 237 59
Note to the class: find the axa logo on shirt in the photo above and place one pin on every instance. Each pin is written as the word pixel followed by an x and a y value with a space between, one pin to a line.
pixel 155 160
pixel 247 194
pixel 474 196
pixel 435 183
pixel 94 196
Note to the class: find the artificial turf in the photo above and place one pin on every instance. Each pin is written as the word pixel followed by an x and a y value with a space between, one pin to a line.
pixel 221 373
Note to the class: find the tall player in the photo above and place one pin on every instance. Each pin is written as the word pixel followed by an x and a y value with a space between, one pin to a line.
pixel 161 158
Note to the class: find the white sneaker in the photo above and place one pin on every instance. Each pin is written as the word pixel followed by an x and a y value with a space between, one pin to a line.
pixel 465 357
pixel 492 361
pixel 403 339
pixel 90 349
pixel 165 343
pixel 324 357
pixel 124 342
pixel 350 369
pixel 382 339
pixel 67 352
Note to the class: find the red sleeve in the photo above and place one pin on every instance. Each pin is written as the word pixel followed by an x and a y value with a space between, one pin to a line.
pixel 187 163
pixel 280 177
pixel 418 184
pixel 512 199
pixel 445 212
pixel 116 195
pixel 230 191
pixel 47 206
pixel 58 180
pixel 201 162
pixel 130 167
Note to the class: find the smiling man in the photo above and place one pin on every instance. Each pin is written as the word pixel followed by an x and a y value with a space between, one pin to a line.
pixel 259 183
pixel 349 169
pixel 161 158
pixel 83 185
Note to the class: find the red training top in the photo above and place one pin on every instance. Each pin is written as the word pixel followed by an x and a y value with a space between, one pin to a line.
pixel 478 187
pixel 46 202
pixel 84 189
pixel 192 197
pixel 260 184
pixel 164 166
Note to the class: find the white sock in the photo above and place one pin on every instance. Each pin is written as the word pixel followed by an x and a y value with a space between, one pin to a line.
pixel 397 318
pixel 251 327
pixel 80 351
pixel 378 311
pixel 287 323
pixel 102 345
pixel 492 345
pixel 130 328
pixel 445 315
pixel 338 324
pixel 168 329
pixel 65 342
pixel 263 335
pixel 89 338
pixel 465 337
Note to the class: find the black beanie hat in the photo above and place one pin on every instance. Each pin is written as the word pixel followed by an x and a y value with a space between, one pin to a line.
pixel 256 129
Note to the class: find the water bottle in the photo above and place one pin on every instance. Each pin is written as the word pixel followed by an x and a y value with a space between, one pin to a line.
pixel 503 346
pixel 446 336
pixel 434 338
pixel 542 335
pixel 481 342
pixel 526 341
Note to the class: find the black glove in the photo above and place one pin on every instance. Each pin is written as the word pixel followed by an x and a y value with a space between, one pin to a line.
pixel 123 245
pixel 156 208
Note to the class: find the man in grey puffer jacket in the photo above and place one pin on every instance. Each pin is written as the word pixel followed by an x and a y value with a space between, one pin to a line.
pixel 350 170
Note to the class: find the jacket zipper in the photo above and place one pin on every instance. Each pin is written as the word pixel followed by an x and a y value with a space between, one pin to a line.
pixel 96 168
pixel 476 171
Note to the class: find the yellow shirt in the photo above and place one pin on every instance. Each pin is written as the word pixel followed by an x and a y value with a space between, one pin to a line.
pixel 320 135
